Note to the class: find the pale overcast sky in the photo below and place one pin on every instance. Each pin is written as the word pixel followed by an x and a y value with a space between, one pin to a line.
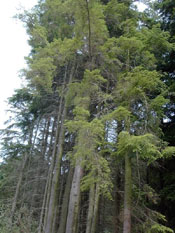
pixel 13 48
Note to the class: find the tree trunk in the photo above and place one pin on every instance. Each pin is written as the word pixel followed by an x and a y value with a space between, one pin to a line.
pixel 54 192
pixel 65 204
pixel 117 202
pixel 127 196
pixel 74 200
pixel 40 228
pixel 45 139
pixel 91 209
pixel 50 150
pixel 54 177
pixel 24 163
pixel 18 186
pixel 51 169
pixel 95 213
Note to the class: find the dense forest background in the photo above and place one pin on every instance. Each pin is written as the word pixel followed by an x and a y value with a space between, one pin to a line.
pixel 90 145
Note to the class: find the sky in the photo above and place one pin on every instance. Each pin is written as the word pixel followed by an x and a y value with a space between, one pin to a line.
pixel 13 49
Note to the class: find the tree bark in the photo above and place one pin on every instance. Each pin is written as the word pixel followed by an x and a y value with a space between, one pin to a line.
pixel 55 180
pixel 53 195
pixel 49 154
pixel 51 169
pixel 65 204
pixel 91 209
pixel 45 139
pixel 95 213
pixel 117 202
pixel 40 228
pixel 74 200
pixel 127 196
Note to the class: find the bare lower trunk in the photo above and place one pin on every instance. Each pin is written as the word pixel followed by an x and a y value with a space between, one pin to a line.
pixel 93 209
pixel 44 208
pixel 95 213
pixel 74 200
pixel 40 228
pixel 117 203
pixel 51 169
pixel 41 158
pixel 54 192
pixel 53 195
pixel 127 197
pixel 65 203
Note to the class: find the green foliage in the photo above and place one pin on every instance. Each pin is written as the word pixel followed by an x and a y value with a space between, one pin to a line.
pixel 168 152
pixel 156 228
pixel 119 114
pixel 39 36
pixel 98 173
pixel 139 83
pixel 57 19
pixel 88 91
pixel 80 113
pixel 89 16
pixel 158 103
pixel 42 72
pixel 44 65
pixel 90 137
pixel 62 50
pixel 122 50
pixel 145 146
pixel 111 56
pixel 22 223
pixel 118 15
pixel 156 41
pixel 143 95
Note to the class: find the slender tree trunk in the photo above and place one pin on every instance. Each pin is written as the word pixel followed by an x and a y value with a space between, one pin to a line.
pixel 127 196
pixel 53 190
pixel 65 204
pixel 60 192
pixel 40 228
pixel 40 159
pixel 74 200
pixel 89 29
pixel 91 209
pixel 117 202
pixel 49 154
pixel 24 163
pixel 45 139
pixel 51 169
pixel 18 186
pixel 96 205
pixel 44 205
